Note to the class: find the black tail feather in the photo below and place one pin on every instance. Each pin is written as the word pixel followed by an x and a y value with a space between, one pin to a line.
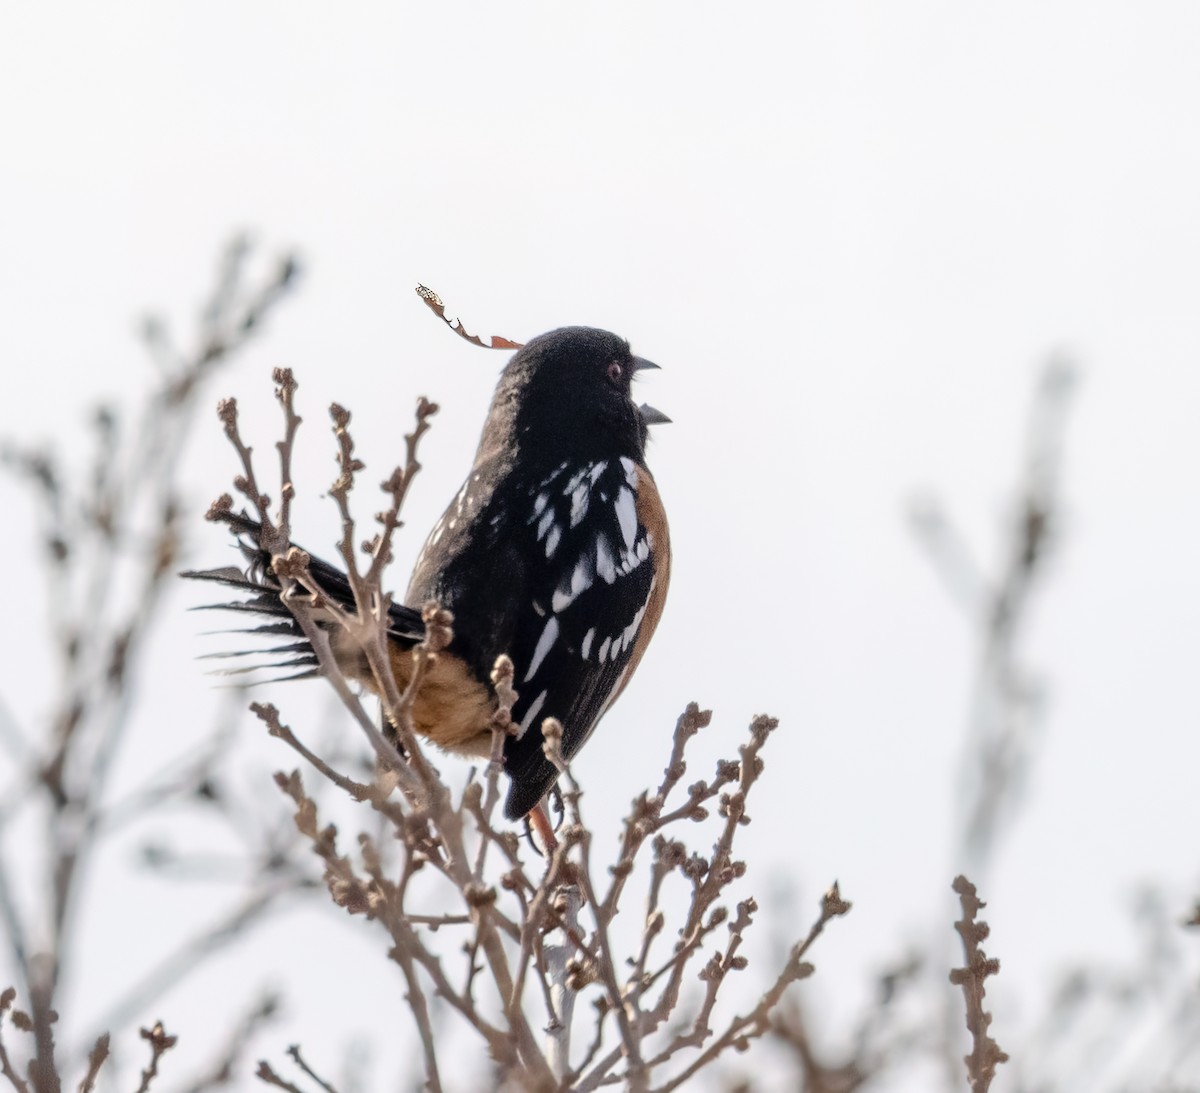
pixel 229 575
pixel 259 580
pixel 311 673
pixel 297 662
pixel 295 647
pixel 266 628
pixel 245 684
pixel 260 605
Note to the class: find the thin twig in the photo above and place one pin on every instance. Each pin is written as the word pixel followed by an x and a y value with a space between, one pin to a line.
pixel 294 1052
pixel 96 1059
pixel 160 1044
pixel 7 997
pixel 559 961
pixel 742 1030
pixel 985 1053
pixel 264 1073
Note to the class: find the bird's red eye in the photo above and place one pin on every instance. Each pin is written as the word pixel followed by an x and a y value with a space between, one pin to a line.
pixel 615 372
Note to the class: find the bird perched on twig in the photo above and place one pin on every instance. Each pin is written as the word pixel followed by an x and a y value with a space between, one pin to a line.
pixel 555 551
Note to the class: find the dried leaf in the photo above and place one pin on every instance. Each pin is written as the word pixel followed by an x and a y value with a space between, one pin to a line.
pixel 434 301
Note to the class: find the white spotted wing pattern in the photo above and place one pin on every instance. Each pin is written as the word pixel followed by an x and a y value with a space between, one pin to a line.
pixel 591 577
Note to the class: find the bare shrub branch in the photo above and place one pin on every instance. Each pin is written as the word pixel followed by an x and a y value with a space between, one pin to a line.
pixel 96 1059
pixel 110 535
pixel 160 1044
pixel 1000 741
pixel 7 997
pixel 532 938
pixel 985 1053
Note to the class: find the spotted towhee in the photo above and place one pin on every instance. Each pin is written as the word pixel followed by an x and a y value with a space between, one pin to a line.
pixel 555 551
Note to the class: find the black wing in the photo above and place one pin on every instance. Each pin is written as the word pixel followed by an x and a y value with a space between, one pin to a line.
pixel 590 574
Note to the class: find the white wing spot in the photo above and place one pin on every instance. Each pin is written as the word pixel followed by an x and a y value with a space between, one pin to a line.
pixel 579 503
pixel 532 712
pixel 555 473
pixel 552 541
pixel 549 634
pixel 632 629
pixel 606 565
pixel 602 656
pixel 579 581
pixel 574 481
pixel 630 470
pixel 627 517
pixel 587 643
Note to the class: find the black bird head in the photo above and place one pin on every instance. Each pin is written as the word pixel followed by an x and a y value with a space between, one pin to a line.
pixel 568 393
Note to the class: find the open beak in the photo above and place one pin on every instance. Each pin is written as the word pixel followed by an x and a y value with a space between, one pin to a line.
pixel 650 415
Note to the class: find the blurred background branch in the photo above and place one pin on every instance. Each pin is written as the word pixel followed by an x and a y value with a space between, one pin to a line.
pixel 110 541
pixel 1001 739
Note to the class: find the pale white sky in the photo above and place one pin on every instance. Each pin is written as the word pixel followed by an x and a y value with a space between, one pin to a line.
pixel 849 232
